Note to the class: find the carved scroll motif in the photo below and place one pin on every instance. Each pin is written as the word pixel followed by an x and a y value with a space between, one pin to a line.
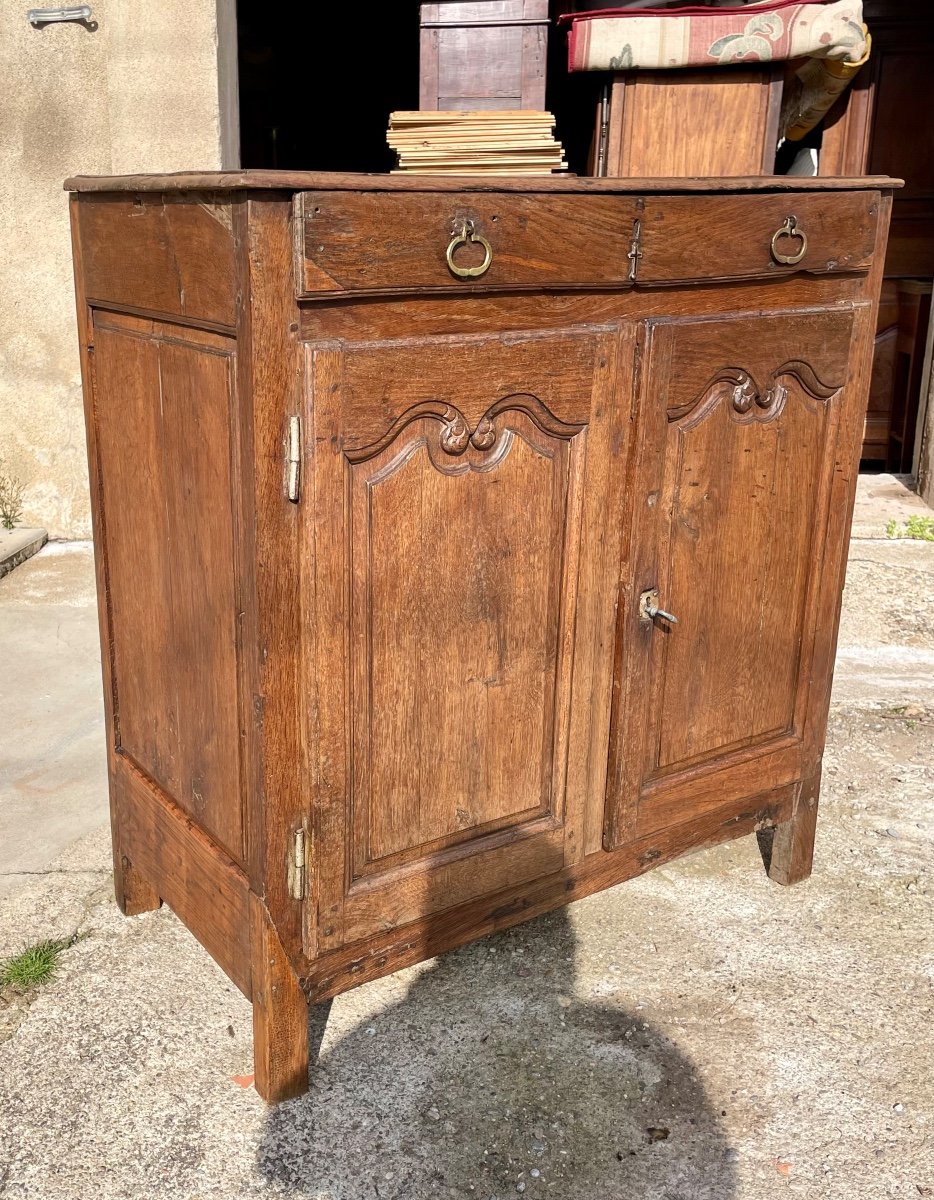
pixel 748 399
pixel 456 434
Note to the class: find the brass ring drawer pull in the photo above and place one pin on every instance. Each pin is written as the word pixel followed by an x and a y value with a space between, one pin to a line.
pixel 789 230
pixel 464 232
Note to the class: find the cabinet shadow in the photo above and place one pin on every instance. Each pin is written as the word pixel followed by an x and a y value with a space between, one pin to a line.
pixel 488 1078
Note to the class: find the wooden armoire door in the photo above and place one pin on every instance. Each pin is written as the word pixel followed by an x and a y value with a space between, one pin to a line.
pixel 740 421
pixel 458 596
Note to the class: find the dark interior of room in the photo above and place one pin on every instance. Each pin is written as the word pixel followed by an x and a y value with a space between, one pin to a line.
pixel 313 97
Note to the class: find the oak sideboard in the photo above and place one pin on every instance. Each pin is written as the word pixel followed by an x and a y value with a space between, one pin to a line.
pixel 463 546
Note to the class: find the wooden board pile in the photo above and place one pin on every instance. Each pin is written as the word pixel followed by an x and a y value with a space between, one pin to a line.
pixel 488 142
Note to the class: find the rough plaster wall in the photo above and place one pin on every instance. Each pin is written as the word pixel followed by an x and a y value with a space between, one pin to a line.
pixel 138 93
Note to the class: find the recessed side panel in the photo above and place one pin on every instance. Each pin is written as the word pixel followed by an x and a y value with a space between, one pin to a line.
pixel 162 399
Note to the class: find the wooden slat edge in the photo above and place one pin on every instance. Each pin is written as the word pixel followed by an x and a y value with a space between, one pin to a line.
pixel 314 180
pixel 203 887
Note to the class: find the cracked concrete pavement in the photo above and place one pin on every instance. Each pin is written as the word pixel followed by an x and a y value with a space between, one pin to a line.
pixel 695 1033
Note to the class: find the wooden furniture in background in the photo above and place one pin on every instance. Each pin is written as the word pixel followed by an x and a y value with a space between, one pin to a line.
pixel 389 553
pixel 722 121
pixel 881 125
pixel 483 54
pixel 878 422
pixel 914 313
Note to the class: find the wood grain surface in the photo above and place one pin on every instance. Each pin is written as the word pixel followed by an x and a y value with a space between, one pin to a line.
pixel 430 662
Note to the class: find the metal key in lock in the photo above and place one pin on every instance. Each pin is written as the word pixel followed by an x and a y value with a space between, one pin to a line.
pixel 649 608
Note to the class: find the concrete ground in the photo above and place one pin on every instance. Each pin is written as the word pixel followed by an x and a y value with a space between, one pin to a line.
pixel 696 1033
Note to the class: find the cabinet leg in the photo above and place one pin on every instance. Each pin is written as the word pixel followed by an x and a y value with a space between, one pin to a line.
pixel 280 1014
pixel 134 894
pixel 793 843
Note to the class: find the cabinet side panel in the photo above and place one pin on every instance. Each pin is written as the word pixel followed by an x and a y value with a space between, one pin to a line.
pixel 162 407
pixel 158 254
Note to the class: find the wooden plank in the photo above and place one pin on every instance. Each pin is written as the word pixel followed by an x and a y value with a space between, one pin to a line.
pixel 163 402
pixel 581 242
pixel 134 894
pixel 335 181
pixel 280 1013
pixel 202 886
pixel 278 790
pixel 700 122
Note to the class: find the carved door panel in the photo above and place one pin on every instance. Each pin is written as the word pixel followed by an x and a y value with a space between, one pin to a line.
pixel 464 574
pixel 737 450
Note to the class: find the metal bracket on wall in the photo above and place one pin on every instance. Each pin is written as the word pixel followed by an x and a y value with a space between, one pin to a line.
pixel 49 16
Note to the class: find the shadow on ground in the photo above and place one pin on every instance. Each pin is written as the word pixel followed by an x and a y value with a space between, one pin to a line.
pixel 525 1089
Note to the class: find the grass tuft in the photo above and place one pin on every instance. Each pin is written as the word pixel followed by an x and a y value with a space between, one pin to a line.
pixel 919 528
pixel 33 966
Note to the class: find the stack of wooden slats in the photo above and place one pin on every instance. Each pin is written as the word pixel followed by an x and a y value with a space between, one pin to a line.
pixel 488 142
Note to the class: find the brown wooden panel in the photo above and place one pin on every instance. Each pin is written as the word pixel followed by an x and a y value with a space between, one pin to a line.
pixel 189 871
pixel 196 391
pixel 456 616
pixel 480 54
pixel 586 242
pixel 383 317
pixel 163 397
pixel 455 533
pixel 729 237
pixel 138 594
pixel 295 181
pixel 383 381
pixel 739 438
pixel 159 254
pixel 713 122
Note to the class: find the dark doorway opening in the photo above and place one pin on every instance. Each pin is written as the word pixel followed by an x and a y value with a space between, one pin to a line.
pixel 317 87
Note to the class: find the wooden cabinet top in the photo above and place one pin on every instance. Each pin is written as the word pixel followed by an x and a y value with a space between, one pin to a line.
pixel 314 180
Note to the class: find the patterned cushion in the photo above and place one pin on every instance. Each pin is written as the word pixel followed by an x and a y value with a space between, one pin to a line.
pixel 621 40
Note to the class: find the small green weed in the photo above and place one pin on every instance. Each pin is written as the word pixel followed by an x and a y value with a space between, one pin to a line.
pixel 11 498
pixel 919 528
pixel 33 966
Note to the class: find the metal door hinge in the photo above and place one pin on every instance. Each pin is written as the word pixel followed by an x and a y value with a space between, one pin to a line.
pixel 298 856
pixel 293 462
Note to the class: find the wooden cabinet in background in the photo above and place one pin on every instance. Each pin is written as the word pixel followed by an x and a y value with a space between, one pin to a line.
pixel 477 54
pixel 719 121
pixel 430 600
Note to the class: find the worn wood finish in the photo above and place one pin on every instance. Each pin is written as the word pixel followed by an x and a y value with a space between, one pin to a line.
pixel 736 451
pixel 164 396
pixel 161 254
pixel 302 181
pixel 427 661
pixel 191 873
pixel 483 54
pixel 450 506
pixel 792 849
pixel 706 122
pixel 280 1013
pixel 595 241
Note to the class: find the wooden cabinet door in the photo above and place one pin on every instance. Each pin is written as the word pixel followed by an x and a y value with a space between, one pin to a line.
pixel 735 531
pixel 459 596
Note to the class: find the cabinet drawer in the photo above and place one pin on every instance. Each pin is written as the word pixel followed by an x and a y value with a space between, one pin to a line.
pixel 375 242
